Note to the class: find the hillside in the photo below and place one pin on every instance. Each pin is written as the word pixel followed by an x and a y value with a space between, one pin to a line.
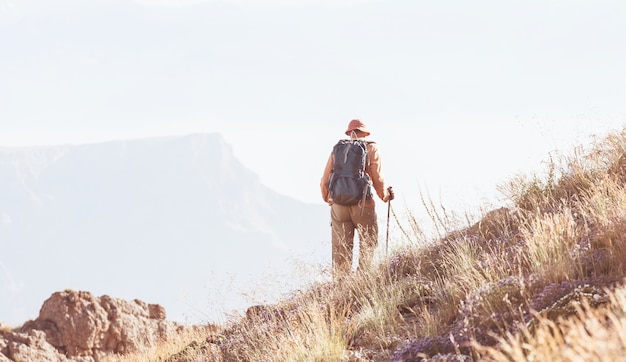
pixel 540 279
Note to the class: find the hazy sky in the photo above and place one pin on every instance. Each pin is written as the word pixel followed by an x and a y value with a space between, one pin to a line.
pixel 460 95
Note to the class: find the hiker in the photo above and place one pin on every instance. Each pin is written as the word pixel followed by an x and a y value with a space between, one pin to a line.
pixel 350 214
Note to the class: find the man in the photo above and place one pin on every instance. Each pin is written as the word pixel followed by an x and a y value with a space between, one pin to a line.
pixel 345 219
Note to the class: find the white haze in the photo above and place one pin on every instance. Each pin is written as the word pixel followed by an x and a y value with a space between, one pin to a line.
pixel 459 95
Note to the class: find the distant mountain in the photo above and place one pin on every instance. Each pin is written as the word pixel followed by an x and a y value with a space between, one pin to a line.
pixel 176 221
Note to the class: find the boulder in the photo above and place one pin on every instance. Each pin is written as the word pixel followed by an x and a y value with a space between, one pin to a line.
pixel 77 326
pixel 31 345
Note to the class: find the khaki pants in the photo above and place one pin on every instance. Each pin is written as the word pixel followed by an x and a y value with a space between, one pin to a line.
pixel 344 221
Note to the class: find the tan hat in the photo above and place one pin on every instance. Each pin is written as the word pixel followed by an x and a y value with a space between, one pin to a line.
pixel 357 125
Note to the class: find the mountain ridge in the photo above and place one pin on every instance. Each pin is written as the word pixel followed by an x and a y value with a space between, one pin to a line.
pixel 100 216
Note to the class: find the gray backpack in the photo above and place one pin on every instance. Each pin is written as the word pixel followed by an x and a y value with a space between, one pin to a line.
pixel 349 184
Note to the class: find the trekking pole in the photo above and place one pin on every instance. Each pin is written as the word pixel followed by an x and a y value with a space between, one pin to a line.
pixel 387 238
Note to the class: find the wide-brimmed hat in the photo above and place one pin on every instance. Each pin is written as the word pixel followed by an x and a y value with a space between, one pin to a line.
pixel 357 125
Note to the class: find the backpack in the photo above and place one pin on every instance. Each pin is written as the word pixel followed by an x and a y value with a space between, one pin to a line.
pixel 349 184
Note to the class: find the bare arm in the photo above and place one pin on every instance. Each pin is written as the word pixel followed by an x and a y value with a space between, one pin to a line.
pixel 325 178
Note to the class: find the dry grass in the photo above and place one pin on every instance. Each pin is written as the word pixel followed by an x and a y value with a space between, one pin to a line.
pixel 539 280
pixel 168 348
pixel 309 332
pixel 592 334
pixel 550 240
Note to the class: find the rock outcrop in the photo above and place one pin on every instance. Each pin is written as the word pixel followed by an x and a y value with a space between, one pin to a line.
pixel 76 326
